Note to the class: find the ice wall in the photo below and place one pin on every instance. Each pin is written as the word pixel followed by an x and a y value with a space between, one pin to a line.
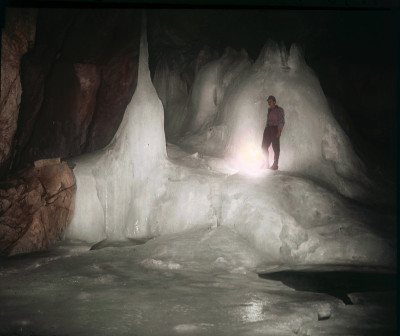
pixel 227 109
pixel 173 93
pixel 118 186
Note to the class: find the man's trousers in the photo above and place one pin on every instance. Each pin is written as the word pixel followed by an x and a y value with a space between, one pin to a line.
pixel 269 138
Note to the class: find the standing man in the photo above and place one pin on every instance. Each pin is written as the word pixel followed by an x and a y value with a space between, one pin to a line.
pixel 273 130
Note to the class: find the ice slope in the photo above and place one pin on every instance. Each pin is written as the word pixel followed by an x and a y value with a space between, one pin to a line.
pixel 132 189
pixel 289 218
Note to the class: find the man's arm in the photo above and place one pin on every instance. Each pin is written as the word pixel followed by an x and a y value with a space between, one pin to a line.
pixel 281 122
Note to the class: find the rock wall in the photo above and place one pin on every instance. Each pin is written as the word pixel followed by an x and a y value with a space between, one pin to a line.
pixel 17 38
pixel 77 81
pixel 35 207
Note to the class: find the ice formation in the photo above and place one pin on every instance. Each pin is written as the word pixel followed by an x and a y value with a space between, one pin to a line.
pixel 226 113
pixel 132 189
pixel 118 186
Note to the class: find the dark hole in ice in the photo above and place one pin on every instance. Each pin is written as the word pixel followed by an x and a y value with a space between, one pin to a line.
pixel 127 243
pixel 335 283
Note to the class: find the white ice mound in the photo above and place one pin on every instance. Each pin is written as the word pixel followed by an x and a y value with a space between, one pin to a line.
pixel 118 186
pixel 131 189
pixel 227 109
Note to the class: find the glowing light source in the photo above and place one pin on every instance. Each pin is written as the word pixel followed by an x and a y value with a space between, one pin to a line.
pixel 251 153
pixel 250 158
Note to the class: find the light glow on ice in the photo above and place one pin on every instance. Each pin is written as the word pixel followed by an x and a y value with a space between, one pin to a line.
pixel 252 311
pixel 250 153
pixel 249 158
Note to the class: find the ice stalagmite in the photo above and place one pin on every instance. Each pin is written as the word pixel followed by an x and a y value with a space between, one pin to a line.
pixel 118 185
pixel 232 116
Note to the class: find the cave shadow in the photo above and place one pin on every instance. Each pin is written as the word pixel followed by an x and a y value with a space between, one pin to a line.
pixel 118 244
pixel 336 283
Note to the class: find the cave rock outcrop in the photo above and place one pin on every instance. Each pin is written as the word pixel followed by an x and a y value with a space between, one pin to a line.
pixel 77 81
pixel 35 207
pixel 17 38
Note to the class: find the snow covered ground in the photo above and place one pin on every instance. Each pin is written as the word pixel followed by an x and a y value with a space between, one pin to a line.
pixel 189 223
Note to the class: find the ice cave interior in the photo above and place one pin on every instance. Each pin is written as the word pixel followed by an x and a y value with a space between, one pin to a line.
pixel 176 228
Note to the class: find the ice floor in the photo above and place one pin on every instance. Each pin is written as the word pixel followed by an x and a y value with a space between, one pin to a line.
pixel 201 282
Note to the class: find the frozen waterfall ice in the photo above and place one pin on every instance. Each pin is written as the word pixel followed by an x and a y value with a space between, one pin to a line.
pixel 118 186
pixel 140 186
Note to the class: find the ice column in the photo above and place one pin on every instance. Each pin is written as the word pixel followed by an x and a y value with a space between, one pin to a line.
pixel 118 186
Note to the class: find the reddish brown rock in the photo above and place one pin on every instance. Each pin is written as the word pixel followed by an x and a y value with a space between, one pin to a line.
pixel 17 37
pixel 118 82
pixel 36 207
pixel 77 81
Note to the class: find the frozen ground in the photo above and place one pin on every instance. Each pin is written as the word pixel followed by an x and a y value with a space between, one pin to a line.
pixel 201 282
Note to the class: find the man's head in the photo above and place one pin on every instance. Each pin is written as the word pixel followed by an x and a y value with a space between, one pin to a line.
pixel 271 101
